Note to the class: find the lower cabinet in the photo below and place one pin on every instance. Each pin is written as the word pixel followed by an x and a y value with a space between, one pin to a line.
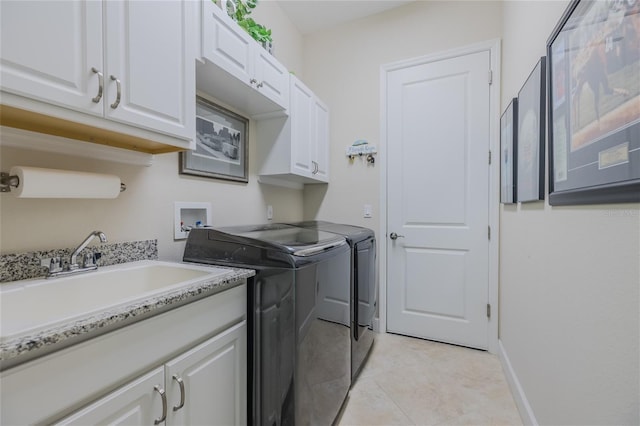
pixel 196 353
pixel 205 385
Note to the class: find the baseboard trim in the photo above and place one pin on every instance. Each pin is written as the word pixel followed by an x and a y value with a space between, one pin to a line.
pixel 526 412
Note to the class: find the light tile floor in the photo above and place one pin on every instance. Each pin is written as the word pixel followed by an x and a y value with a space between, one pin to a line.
pixel 410 381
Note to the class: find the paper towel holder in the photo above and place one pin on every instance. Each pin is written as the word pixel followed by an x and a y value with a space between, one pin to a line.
pixel 7 182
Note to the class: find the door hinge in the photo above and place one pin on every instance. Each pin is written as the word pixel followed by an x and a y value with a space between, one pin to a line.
pixel 489 157
pixel 488 310
pixel 489 232
pixel 490 77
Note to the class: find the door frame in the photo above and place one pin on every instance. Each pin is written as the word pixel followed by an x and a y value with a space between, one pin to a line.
pixel 493 47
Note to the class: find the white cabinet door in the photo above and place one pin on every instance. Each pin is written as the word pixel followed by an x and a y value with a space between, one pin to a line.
pixel 321 141
pixel 208 384
pixel 48 50
pixel 302 118
pixel 235 69
pixel 272 78
pixel 296 149
pixel 226 44
pixel 136 403
pixel 149 78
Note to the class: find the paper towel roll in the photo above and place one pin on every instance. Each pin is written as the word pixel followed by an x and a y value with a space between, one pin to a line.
pixel 36 182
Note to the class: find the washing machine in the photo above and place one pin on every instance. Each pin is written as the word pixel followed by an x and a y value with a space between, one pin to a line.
pixel 299 370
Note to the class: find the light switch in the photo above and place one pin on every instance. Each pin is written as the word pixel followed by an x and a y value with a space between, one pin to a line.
pixel 367 211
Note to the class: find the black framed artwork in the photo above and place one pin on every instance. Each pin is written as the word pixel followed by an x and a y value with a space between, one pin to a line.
pixel 508 153
pixel 221 144
pixel 594 104
pixel 531 132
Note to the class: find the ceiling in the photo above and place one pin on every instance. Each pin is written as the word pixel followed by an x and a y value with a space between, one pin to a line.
pixel 315 15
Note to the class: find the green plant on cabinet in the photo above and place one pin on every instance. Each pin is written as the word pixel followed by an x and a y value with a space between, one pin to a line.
pixel 240 13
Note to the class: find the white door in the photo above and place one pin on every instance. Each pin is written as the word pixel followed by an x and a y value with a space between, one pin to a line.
pixel 48 50
pixel 301 112
pixel 148 74
pixel 438 199
pixel 136 403
pixel 320 162
pixel 208 384
pixel 272 78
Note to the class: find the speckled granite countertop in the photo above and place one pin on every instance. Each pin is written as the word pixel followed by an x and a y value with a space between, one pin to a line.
pixel 16 348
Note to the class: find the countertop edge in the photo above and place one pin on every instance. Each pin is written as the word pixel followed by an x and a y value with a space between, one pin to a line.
pixel 81 329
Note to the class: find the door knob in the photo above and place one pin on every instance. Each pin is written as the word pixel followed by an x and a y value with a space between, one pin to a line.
pixel 395 236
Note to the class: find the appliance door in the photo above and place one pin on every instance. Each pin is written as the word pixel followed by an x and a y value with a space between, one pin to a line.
pixel 323 339
pixel 272 367
pixel 364 301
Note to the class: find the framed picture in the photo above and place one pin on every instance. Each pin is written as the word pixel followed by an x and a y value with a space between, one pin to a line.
pixel 221 144
pixel 508 144
pixel 531 131
pixel 594 104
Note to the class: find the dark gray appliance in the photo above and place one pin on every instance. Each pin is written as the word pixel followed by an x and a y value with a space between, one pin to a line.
pixel 363 285
pixel 299 360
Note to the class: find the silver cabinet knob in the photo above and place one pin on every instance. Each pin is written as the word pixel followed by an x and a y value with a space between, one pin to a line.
pixel 395 236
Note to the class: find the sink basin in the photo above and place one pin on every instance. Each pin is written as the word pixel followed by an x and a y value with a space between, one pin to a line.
pixel 30 305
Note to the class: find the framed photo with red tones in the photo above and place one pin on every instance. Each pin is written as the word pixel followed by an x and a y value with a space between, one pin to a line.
pixel 594 104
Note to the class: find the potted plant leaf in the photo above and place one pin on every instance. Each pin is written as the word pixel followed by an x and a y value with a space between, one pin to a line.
pixel 240 13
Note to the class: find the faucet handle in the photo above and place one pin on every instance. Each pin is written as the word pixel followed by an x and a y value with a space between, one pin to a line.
pixel 88 260
pixel 53 264
pixel 91 259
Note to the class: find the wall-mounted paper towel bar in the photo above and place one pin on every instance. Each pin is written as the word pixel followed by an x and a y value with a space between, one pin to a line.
pixel 35 182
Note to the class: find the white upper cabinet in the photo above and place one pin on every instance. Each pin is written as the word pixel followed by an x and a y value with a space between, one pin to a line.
pixel 147 53
pixel 321 140
pixel 296 148
pixel 48 49
pixel 95 66
pixel 236 69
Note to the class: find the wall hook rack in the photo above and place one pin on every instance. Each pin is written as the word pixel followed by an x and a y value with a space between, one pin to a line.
pixel 363 150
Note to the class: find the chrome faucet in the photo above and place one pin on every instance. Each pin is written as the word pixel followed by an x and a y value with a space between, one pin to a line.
pixel 73 263
pixel 57 267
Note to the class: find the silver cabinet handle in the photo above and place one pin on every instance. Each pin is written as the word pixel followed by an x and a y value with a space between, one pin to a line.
pixel 253 81
pixel 97 98
pixel 115 104
pixel 395 236
pixel 260 84
pixel 181 383
pixel 164 405
pixel 315 168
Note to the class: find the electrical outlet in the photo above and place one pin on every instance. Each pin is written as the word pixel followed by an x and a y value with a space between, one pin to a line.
pixel 269 212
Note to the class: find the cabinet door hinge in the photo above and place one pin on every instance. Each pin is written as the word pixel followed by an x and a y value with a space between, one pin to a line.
pixel 488 310
pixel 489 232
pixel 490 77
pixel 489 157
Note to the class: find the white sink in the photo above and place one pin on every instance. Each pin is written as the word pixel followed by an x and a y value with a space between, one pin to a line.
pixel 30 305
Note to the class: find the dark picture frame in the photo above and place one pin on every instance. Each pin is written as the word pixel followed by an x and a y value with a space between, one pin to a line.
pixel 531 136
pixel 508 153
pixel 594 104
pixel 221 144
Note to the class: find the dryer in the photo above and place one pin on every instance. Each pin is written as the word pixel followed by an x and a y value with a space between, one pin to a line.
pixel 364 290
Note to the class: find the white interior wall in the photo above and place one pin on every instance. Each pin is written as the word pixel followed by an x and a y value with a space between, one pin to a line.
pixel 569 278
pixel 145 210
pixel 342 65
